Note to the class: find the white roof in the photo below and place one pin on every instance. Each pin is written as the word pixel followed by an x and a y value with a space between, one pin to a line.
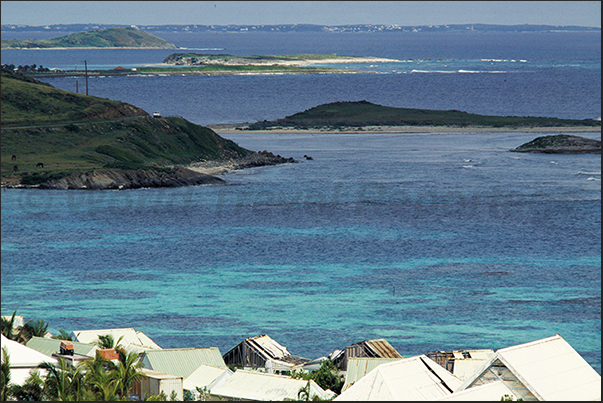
pixel 415 378
pixel 358 367
pixel 253 385
pixel 550 368
pixel 206 376
pixel 22 359
pixel 132 340
pixel 490 392
pixel 270 345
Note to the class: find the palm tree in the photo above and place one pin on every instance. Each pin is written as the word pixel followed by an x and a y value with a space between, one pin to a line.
pixel 107 341
pixel 63 382
pixel 7 326
pixel 39 328
pixel 5 374
pixel 32 389
pixel 63 335
pixel 126 371
pixel 99 376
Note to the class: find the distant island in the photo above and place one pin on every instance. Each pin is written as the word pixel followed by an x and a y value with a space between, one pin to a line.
pixel 343 116
pixel 56 139
pixel 106 38
pixel 561 144
pixel 376 28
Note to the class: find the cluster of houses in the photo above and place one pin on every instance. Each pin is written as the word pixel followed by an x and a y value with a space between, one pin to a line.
pixel 259 369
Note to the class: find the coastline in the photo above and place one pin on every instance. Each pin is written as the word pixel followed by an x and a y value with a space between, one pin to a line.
pixel 240 129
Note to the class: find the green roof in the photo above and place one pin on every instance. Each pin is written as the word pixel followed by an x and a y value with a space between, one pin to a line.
pixel 182 361
pixel 52 346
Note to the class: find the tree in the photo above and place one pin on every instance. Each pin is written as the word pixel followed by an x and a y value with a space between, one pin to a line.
pixel 63 381
pixel 327 377
pixel 126 371
pixel 37 328
pixel 5 374
pixel 63 335
pixel 107 341
pixel 32 389
pixel 7 326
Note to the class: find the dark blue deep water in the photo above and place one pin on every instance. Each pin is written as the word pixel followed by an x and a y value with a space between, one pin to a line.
pixel 434 242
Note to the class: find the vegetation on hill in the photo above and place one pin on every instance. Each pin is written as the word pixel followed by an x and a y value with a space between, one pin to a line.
pixel 48 133
pixel 106 38
pixel 363 113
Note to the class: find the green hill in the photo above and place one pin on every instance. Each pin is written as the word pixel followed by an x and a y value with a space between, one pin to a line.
pixel 363 113
pixel 71 133
pixel 106 38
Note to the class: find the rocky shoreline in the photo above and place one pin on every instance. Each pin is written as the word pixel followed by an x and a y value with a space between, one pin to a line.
pixel 201 173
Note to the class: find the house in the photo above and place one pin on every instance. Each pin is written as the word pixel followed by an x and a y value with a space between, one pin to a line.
pixel 546 369
pixel 188 363
pixel 254 385
pixel 53 346
pixel 416 378
pixel 72 352
pixel 22 360
pixel 153 383
pixel 378 348
pixel 358 367
pixel 262 352
pixel 462 363
pixel 132 340
pixel 206 377
pixel 490 392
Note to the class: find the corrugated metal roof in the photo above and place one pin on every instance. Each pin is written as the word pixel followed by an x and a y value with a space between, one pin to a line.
pixel 416 378
pixel 491 392
pixel 252 385
pixel 130 337
pixel 270 346
pixel 549 368
pixel 383 348
pixel 52 346
pixel 358 367
pixel 22 359
pixel 204 376
pixel 182 361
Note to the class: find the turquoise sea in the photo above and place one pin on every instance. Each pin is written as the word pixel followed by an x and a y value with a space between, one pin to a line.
pixel 431 241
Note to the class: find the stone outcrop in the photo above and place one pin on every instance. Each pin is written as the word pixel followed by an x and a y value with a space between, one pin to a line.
pixel 132 179
pixel 561 144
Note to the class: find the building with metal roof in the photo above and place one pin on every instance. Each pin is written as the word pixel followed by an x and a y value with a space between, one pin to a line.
pixel 152 383
pixel 546 369
pixel 22 359
pixel 254 385
pixel 206 377
pixel 182 361
pixel 263 352
pixel 132 340
pixel 358 367
pixel 416 378
pixel 378 348
pixel 491 392
pixel 52 346
pixel 462 363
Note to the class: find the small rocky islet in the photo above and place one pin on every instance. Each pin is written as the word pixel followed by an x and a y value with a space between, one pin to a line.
pixel 561 144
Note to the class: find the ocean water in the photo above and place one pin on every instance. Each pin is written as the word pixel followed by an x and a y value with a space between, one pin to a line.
pixel 432 241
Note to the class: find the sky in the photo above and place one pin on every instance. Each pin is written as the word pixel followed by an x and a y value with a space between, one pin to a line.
pixel 581 13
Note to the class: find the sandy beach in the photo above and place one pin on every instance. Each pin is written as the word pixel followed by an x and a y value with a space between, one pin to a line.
pixel 240 129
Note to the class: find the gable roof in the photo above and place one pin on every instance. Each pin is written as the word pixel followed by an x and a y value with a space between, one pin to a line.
pixel 358 367
pixel 206 376
pixel 182 361
pixel 22 359
pixel 550 369
pixel 415 378
pixel 132 340
pixel 253 385
pixel 52 346
pixel 494 391
pixel 272 353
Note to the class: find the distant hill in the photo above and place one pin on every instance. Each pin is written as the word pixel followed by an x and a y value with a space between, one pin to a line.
pixel 363 113
pixel 561 144
pixel 74 133
pixel 107 38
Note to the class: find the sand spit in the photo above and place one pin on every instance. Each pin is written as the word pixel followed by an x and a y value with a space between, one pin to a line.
pixel 241 129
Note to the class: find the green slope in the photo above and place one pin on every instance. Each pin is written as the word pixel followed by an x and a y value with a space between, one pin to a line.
pixel 363 113
pixel 114 37
pixel 70 132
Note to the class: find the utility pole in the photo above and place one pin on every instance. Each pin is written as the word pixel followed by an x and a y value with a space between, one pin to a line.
pixel 86 68
pixel 76 91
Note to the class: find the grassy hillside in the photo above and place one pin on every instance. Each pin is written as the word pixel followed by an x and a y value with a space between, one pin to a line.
pixel 69 132
pixel 363 113
pixel 114 37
